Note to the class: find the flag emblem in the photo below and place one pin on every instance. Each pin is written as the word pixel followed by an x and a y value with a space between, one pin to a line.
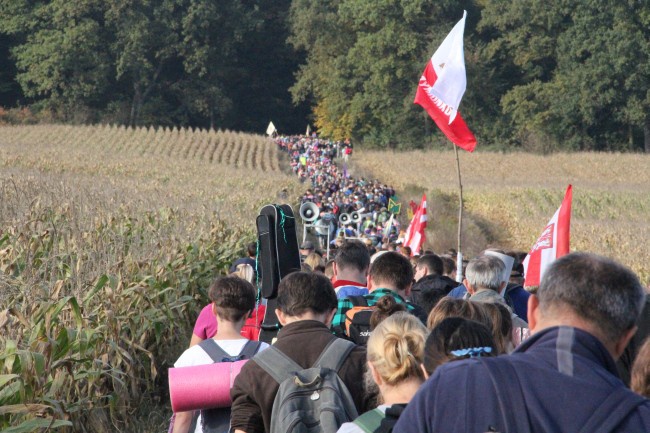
pixel 442 85
pixel 545 240
pixel 552 244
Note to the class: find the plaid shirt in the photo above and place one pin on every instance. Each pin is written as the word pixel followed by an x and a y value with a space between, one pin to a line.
pixel 344 305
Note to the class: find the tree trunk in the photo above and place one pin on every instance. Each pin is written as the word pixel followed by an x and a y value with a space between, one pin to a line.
pixel 136 103
pixel 646 134
pixel 140 97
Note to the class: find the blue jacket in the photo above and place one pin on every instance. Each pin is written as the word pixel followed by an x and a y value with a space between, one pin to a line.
pixel 564 375
pixel 515 296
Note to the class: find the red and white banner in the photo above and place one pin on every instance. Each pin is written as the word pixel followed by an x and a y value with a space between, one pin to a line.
pixel 442 86
pixel 415 237
pixel 551 245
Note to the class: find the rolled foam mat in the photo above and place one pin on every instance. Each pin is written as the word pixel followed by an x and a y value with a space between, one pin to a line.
pixel 202 386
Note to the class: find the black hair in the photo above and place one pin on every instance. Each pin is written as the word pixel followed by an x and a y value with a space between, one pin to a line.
pixel 300 292
pixel 392 268
pixel 433 263
pixel 233 297
pixel 456 333
pixel 353 254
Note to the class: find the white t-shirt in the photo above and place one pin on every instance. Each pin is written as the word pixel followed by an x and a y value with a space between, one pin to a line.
pixel 195 355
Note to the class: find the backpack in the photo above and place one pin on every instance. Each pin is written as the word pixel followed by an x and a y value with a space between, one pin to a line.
pixel 313 400
pixel 217 420
pixel 376 421
pixel 357 320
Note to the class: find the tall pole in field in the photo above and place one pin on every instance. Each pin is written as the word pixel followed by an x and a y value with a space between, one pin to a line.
pixel 459 254
pixel 439 92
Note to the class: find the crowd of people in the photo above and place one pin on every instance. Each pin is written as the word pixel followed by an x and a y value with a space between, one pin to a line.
pixel 375 340
pixel 335 193
pixel 434 362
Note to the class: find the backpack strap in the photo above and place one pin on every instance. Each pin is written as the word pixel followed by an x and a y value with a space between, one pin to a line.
pixel 213 350
pixel 370 421
pixel 612 411
pixel 358 301
pixel 392 416
pixel 250 349
pixel 278 365
pixel 335 354
pixel 376 421
pixel 509 394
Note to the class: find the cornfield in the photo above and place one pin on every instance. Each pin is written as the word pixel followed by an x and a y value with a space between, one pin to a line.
pixel 110 235
pixel 509 198
pixel 108 238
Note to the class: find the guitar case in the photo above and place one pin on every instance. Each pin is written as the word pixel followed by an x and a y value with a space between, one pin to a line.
pixel 278 256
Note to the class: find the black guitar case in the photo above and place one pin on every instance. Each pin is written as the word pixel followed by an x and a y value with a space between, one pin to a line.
pixel 278 256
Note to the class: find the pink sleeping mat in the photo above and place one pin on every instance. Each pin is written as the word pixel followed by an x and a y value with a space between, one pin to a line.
pixel 202 386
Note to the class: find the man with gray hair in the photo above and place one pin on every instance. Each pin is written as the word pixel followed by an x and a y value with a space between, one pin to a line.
pixel 484 275
pixel 484 282
pixel 563 378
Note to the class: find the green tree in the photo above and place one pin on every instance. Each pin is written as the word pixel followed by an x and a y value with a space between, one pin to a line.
pixel 60 54
pixel 583 70
pixel 145 39
pixel 9 89
pixel 364 59
pixel 222 64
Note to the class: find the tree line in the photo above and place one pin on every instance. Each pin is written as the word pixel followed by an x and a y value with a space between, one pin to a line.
pixel 542 75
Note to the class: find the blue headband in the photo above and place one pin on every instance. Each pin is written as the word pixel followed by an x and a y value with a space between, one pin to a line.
pixel 473 352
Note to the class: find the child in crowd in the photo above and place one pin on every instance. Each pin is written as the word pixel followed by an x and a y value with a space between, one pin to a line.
pixel 206 324
pixel 233 299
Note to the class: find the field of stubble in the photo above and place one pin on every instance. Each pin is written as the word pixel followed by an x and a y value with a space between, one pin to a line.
pixel 510 197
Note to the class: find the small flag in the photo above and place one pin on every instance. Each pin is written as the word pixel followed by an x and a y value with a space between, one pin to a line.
pixel 551 245
pixel 442 86
pixel 389 226
pixel 270 130
pixel 308 132
pixel 394 207
pixel 415 236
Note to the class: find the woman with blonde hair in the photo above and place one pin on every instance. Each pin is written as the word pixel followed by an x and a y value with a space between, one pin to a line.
pixel 395 356
pixel 315 262
pixel 245 272
pixel 640 375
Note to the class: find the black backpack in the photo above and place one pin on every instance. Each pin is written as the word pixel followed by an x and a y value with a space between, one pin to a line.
pixel 218 420
pixel 357 320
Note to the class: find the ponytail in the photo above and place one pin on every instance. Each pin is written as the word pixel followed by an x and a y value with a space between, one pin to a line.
pixel 396 348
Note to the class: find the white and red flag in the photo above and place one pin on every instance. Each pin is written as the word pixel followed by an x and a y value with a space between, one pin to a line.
pixel 551 245
pixel 442 86
pixel 414 237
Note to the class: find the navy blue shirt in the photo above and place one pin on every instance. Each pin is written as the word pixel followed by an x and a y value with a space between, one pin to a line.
pixel 564 372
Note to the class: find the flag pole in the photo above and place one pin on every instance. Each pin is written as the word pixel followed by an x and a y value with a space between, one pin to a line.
pixel 459 254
